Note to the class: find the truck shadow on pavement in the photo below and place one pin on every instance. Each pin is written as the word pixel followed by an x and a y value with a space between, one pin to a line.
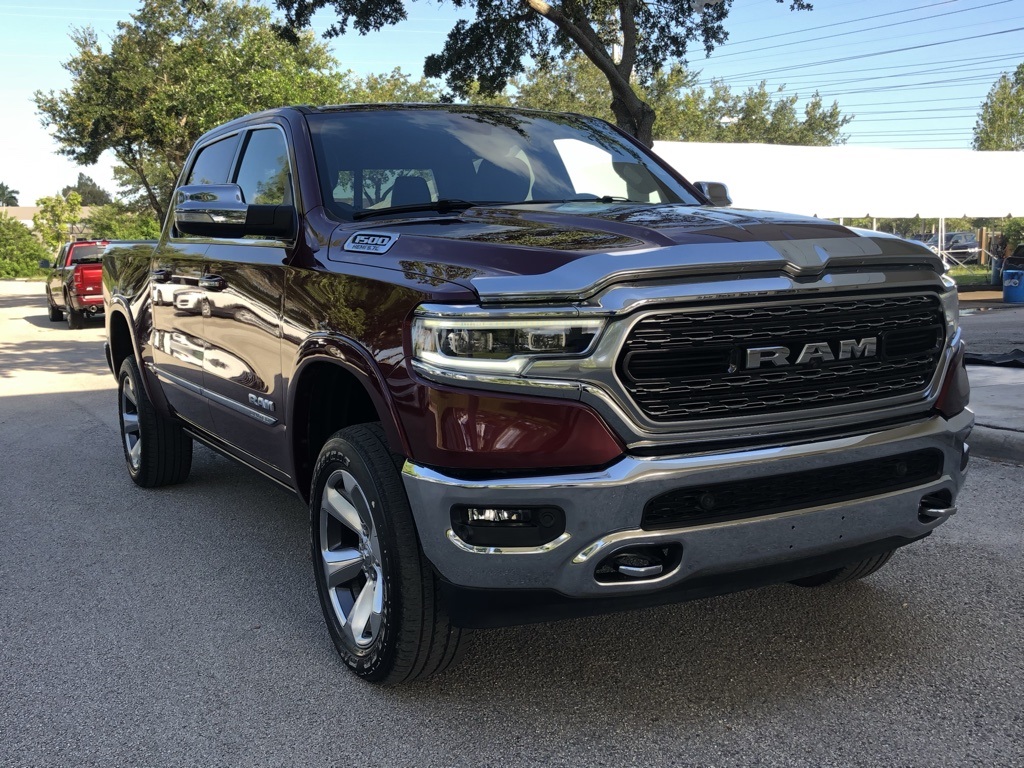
pixel 55 355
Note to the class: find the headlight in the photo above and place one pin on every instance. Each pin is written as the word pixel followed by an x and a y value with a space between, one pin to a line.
pixel 502 345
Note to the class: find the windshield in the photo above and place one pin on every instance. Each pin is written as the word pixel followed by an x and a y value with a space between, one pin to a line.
pixel 411 158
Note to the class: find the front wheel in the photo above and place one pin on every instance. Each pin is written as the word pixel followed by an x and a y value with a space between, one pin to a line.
pixel 380 598
pixel 156 449
pixel 851 572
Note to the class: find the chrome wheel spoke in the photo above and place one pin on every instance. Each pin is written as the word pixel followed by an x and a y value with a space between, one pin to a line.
pixel 135 452
pixel 342 510
pixel 341 566
pixel 131 423
pixel 362 612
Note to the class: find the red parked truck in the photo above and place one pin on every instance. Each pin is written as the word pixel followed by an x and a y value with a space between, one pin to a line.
pixel 74 285
pixel 519 368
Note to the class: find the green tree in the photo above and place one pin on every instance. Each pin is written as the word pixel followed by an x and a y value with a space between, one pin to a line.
pixel 20 251
pixel 394 86
pixel 685 110
pixel 1001 120
pixel 115 221
pixel 627 40
pixel 54 218
pixel 1013 231
pixel 8 196
pixel 177 69
pixel 90 192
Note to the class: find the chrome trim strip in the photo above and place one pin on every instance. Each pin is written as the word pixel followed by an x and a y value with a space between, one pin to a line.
pixel 227 402
pixel 453 537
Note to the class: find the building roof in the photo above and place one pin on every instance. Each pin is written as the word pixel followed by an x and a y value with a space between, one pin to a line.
pixel 848 181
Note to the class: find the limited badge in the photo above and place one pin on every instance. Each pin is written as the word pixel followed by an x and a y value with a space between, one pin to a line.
pixel 370 242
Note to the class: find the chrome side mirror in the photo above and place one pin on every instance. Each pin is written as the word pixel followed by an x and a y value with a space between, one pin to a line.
pixel 716 192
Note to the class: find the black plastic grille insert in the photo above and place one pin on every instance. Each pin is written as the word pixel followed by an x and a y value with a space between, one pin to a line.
pixel 755 497
pixel 688 365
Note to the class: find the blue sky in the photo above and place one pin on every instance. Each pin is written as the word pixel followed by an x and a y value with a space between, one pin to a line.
pixel 913 72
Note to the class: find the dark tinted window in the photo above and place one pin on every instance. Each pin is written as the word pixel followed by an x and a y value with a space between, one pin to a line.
pixel 263 172
pixel 85 253
pixel 213 164
pixel 383 158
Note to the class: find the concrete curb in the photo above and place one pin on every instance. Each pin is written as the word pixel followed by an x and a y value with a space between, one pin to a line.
pixel 997 444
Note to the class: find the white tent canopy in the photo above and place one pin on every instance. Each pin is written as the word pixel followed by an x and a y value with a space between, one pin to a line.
pixel 846 181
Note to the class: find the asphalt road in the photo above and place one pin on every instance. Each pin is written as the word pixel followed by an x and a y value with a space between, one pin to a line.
pixel 997 329
pixel 181 627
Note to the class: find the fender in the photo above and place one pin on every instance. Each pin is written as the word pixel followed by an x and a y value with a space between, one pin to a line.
pixel 345 353
pixel 118 305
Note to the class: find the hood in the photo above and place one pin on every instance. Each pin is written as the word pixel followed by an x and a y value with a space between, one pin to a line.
pixel 572 250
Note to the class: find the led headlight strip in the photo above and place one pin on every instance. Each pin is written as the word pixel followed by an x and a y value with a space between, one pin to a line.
pixel 505 345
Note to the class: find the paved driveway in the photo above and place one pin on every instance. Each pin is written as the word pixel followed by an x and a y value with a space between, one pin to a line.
pixel 181 627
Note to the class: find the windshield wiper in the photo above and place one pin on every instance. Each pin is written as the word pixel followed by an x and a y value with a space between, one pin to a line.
pixel 603 199
pixel 444 205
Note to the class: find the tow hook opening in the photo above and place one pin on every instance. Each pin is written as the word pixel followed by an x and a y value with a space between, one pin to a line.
pixel 639 563
pixel 935 505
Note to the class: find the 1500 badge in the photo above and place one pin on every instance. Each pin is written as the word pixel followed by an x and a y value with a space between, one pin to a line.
pixel 370 242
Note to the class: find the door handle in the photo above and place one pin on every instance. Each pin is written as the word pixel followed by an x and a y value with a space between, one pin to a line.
pixel 160 275
pixel 213 282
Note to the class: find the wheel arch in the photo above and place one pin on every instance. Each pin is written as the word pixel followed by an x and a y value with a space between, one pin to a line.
pixel 123 343
pixel 335 385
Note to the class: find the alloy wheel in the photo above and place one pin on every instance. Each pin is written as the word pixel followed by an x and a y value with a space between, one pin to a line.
pixel 350 557
pixel 130 422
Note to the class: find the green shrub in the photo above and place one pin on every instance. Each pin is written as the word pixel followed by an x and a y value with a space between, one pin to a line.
pixel 20 251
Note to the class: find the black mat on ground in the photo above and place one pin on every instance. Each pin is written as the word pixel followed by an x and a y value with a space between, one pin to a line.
pixel 1014 358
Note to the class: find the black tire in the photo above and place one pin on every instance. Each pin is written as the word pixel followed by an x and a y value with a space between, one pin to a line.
pixel 851 572
pixel 156 450
pixel 76 321
pixel 56 314
pixel 205 308
pixel 382 605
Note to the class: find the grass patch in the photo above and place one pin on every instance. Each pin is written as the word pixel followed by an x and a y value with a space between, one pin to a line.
pixel 971 274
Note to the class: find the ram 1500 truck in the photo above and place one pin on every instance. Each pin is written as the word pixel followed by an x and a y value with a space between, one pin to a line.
pixel 74 285
pixel 519 368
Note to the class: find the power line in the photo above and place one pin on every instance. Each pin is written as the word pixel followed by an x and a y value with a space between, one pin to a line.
pixel 934 67
pixel 859 31
pixel 839 23
pixel 879 53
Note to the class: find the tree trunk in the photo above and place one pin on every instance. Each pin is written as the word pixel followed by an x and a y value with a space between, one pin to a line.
pixel 635 117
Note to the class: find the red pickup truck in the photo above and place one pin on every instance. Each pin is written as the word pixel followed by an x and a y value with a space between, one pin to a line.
pixel 74 286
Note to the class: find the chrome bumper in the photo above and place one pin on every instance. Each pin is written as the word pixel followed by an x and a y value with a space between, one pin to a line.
pixel 603 512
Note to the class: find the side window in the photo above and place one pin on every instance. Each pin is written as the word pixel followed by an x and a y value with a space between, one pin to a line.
pixel 213 164
pixel 62 257
pixel 263 173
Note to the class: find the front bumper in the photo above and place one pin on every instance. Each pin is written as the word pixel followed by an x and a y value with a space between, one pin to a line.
pixel 603 512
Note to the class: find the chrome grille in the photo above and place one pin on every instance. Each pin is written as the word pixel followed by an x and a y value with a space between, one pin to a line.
pixel 682 365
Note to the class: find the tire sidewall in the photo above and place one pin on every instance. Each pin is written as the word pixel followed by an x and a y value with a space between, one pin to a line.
pixel 374 663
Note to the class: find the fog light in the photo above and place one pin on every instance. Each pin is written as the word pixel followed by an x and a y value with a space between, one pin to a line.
pixel 507 526
pixel 500 515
